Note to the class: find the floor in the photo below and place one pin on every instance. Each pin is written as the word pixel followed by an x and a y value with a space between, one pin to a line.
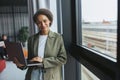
pixel 11 72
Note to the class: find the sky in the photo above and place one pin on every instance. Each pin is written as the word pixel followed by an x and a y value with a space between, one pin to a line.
pixel 97 10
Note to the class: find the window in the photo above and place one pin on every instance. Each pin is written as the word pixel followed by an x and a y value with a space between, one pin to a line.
pixel 96 37
pixel 99 25
pixel 87 75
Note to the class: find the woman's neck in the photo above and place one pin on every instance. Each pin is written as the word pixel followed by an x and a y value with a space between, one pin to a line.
pixel 44 32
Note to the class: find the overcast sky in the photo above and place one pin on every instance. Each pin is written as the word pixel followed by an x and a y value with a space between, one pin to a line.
pixel 97 10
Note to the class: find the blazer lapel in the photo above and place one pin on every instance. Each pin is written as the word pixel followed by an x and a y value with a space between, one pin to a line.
pixel 48 43
pixel 36 42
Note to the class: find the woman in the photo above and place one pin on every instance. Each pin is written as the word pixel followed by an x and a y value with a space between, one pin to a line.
pixel 3 52
pixel 46 47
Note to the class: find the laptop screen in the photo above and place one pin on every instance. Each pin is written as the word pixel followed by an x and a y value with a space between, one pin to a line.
pixel 14 50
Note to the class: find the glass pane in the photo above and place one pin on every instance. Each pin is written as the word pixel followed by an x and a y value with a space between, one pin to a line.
pixel 99 25
pixel 87 75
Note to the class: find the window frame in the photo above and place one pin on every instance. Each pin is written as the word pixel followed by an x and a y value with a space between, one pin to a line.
pixel 103 68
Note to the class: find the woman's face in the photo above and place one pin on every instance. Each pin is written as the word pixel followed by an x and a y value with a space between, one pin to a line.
pixel 43 22
pixel 4 37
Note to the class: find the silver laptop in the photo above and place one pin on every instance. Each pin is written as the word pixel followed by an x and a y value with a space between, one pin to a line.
pixel 14 50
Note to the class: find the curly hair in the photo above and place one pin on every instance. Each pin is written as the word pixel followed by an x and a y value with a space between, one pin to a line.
pixel 45 12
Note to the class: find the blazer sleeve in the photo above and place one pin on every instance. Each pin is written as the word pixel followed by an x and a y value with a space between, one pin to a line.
pixel 58 60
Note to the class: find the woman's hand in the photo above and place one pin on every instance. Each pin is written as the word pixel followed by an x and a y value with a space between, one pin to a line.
pixel 18 64
pixel 39 59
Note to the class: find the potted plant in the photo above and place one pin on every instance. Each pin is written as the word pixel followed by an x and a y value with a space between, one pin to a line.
pixel 23 35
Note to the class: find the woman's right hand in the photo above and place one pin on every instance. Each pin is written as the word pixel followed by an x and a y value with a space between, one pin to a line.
pixel 38 59
pixel 18 64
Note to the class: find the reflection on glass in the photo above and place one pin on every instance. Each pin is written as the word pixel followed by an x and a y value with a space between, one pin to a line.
pixel 87 75
pixel 99 25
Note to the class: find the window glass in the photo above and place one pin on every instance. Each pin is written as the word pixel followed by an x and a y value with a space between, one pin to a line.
pixel 87 75
pixel 99 25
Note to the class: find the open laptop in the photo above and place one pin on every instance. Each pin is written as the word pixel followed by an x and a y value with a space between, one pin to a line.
pixel 14 50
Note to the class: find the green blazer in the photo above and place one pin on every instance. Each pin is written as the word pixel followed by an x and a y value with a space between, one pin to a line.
pixel 54 56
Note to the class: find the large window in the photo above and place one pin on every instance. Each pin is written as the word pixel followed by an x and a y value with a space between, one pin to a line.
pixel 96 37
pixel 99 25
pixel 12 18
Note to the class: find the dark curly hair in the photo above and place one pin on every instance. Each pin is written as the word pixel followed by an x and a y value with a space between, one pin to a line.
pixel 45 12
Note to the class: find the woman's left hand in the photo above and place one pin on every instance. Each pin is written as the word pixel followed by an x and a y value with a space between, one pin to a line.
pixel 39 59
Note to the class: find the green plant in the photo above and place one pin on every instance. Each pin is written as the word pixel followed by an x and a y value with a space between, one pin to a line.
pixel 23 34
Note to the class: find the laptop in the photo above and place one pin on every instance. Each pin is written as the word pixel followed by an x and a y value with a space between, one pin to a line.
pixel 14 50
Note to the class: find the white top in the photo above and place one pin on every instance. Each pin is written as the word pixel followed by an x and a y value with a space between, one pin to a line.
pixel 2 43
pixel 41 45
